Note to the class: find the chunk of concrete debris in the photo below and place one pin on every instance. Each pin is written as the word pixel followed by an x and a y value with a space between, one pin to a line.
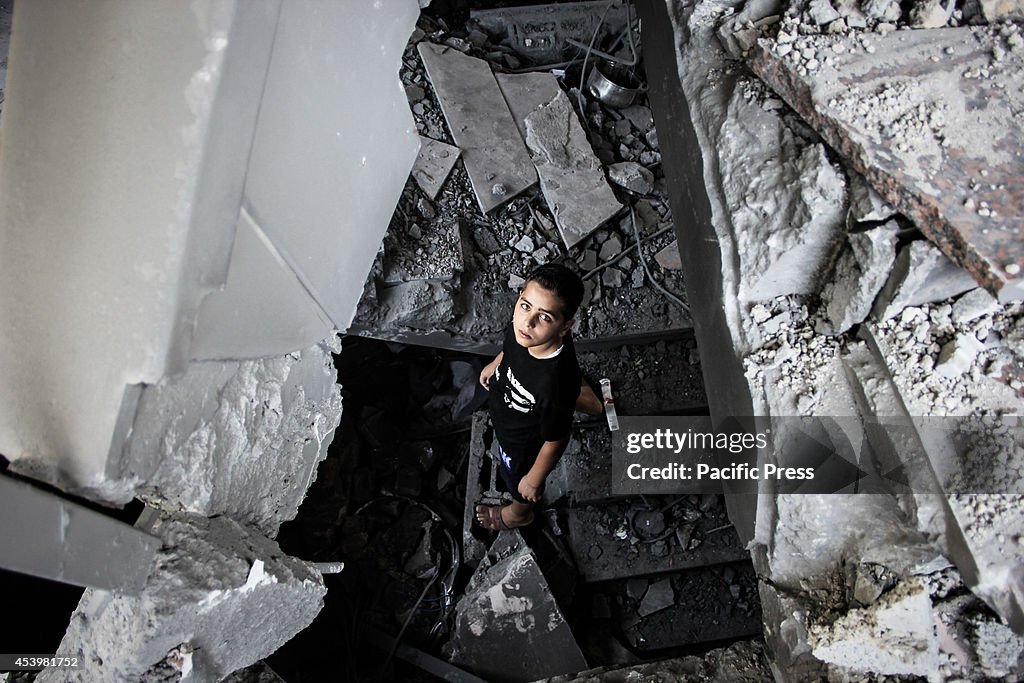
pixel 433 253
pixel 920 275
pixel 894 636
pixel 1002 10
pixel 669 258
pixel 632 176
pixel 496 160
pixel 785 199
pixel 420 304
pixel 526 93
pixel 860 272
pixel 223 594
pixel 610 248
pixel 914 129
pixel 998 648
pixel 930 14
pixel 822 12
pixel 882 10
pixel 973 305
pixel 434 164
pixel 865 202
pixel 256 430
pixel 571 177
pixel 640 116
pixel 510 610
pixel 752 12
pixel 658 596
pixel 957 356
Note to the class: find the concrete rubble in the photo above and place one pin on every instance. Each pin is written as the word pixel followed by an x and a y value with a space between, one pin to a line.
pixel 821 619
pixel 213 583
pixel 433 165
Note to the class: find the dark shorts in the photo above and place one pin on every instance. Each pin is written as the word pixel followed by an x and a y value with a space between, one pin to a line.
pixel 511 469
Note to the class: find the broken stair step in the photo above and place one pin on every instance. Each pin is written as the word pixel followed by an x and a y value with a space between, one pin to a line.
pixel 600 540
pixel 493 151
pixel 954 166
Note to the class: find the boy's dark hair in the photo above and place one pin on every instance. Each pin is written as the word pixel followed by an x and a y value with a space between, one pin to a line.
pixel 566 284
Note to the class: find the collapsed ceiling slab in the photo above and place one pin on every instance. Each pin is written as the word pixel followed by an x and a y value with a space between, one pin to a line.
pixel 931 118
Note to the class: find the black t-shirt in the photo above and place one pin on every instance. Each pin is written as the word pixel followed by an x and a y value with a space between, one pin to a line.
pixel 532 399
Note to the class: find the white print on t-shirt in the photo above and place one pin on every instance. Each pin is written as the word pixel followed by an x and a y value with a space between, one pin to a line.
pixel 517 397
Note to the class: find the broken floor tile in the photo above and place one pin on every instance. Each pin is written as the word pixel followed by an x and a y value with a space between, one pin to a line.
pixel 860 272
pixel 433 164
pixel 669 257
pixel 435 255
pixel 496 159
pixel 571 177
pixel 509 628
pixel 944 146
pixel 526 93
pixel 921 274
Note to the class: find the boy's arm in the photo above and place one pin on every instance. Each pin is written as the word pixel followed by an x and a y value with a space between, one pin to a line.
pixel 488 372
pixel 532 483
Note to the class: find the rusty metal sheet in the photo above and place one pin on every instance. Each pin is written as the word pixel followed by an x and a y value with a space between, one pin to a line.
pixel 933 119
pixel 493 151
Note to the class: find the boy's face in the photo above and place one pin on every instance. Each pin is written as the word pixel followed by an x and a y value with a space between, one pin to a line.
pixel 538 320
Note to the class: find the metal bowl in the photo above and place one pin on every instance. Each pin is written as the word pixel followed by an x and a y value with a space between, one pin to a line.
pixel 615 86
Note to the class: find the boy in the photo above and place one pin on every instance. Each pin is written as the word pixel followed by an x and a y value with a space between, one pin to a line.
pixel 534 385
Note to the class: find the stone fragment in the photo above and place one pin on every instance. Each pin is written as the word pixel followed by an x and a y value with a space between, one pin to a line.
pixel 612 277
pixel 658 596
pixel 942 146
pixel 632 176
pixel 415 93
pixel 752 12
pixel 611 248
pixel 508 610
pixel 929 14
pixel 860 272
pixel 893 636
pixel 920 275
pixel 865 203
pixel 515 282
pixel 669 257
pixel 1002 10
pixel 640 116
pixel 973 305
pixel 481 124
pixel 957 356
pixel 525 244
pixel 433 165
pixel 486 240
pixel 571 178
pixel 220 597
pixel 236 438
pixel 882 10
pixel 998 648
pixel 822 12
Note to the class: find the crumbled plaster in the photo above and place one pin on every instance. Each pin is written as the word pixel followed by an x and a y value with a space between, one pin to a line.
pixel 220 597
pixel 239 438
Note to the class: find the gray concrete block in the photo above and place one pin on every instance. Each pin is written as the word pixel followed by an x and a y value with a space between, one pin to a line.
pixel 434 163
pixel 921 274
pixel 571 177
pixel 220 598
pixel 509 628
pixel 236 438
pixel 860 272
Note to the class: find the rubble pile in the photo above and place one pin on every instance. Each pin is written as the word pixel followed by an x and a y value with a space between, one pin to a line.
pixel 904 307
pixel 462 238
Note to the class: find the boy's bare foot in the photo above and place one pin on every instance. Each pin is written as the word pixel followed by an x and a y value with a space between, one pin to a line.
pixel 492 517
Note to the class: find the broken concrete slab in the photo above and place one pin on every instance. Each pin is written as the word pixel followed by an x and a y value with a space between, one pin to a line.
pixel 510 610
pixel 860 272
pixel 526 93
pixel 571 177
pixel 220 597
pixel 658 596
pixel 496 159
pixel 434 163
pixel 865 202
pixel 236 438
pixel 894 636
pixel 921 274
pixel 418 304
pixel 945 149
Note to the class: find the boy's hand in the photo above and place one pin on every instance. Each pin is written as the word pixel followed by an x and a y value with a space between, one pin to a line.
pixel 529 489
pixel 485 377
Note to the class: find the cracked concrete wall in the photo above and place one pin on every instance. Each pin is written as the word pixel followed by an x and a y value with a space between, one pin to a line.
pixel 182 182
